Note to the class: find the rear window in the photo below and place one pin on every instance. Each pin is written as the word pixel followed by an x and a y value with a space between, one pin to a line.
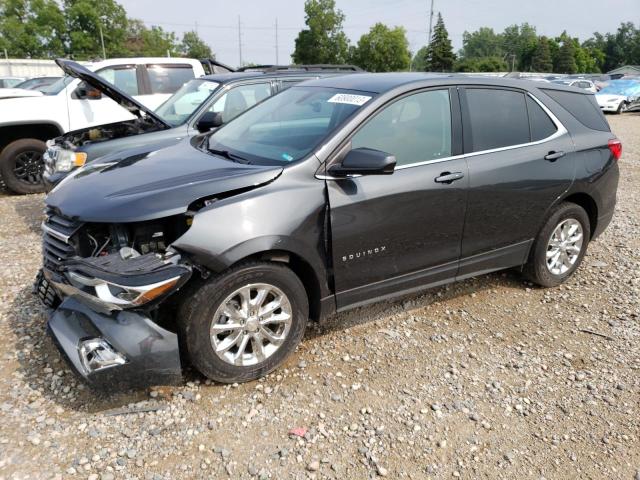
pixel 583 107
pixel 541 125
pixel 168 78
pixel 498 118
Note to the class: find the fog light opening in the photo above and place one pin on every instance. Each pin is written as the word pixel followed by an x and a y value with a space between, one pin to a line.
pixel 96 354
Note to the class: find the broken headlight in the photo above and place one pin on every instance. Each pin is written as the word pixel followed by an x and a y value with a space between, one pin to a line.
pixel 67 160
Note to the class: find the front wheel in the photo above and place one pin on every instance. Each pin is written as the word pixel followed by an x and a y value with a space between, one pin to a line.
pixel 622 108
pixel 22 166
pixel 243 324
pixel 560 246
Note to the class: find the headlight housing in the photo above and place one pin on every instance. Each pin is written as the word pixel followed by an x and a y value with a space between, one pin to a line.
pixel 67 160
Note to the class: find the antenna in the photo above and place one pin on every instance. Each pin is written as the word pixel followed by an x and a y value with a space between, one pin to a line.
pixel 430 23
pixel 277 62
pixel 240 40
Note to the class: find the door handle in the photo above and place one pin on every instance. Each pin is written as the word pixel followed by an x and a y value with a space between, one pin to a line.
pixel 553 156
pixel 448 177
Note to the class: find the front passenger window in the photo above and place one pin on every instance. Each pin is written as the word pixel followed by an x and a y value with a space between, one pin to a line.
pixel 415 129
pixel 239 99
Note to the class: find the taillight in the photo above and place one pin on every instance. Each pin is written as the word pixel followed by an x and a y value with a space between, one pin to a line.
pixel 615 146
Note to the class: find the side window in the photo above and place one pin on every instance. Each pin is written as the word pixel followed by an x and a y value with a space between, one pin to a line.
pixel 498 118
pixel 168 78
pixel 239 99
pixel 123 77
pixel 415 129
pixel 541 125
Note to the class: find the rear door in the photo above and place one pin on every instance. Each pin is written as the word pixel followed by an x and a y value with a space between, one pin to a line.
pixel 399 232
pixel 521 159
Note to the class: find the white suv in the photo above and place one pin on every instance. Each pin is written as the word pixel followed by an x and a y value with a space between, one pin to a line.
pixel 27 123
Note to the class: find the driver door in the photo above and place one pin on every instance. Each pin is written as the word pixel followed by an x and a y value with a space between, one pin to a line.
pixel 397 233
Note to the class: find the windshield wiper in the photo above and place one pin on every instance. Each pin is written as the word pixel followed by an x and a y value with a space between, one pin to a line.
pixel 228 155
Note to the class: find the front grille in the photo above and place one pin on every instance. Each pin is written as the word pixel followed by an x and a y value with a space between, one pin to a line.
pixel 57 241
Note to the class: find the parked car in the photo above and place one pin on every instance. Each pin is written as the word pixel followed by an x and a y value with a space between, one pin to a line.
pixel 587 85
pixel 200 105
pixel 617 95
pixel 333 194
pixel 36 83
pixel 18 93
pixel 27 123
pixel 10 82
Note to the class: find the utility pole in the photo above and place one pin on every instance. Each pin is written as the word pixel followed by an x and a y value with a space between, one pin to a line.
pixel 240 40
pixel 277 62
pixel 104 52
pixel 430 23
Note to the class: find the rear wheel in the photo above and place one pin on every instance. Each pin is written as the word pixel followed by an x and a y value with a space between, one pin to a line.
pixel 243 324
pixel 560 246
pixel 22 166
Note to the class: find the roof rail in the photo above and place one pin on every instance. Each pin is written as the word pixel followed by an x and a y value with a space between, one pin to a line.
pixel 300 68
pixel 211 65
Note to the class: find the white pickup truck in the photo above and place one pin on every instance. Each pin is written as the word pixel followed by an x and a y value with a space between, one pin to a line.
pixel 69 104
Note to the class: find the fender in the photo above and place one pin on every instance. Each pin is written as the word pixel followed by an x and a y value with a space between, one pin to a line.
pixel 286 215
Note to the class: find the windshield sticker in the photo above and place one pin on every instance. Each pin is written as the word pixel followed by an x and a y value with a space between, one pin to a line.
pixel 287 157
pixel 349 99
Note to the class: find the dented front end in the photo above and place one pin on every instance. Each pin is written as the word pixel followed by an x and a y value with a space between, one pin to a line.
pixel 111 279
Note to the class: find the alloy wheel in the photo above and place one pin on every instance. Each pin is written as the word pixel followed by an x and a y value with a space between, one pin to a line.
pixel 29 167
pixel 564 247
pixel 251 324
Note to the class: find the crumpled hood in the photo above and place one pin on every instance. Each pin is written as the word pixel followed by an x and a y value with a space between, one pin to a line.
pixel 604 99
pixel 150 182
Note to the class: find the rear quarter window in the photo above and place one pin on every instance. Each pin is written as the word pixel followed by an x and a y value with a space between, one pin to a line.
pixel 583 107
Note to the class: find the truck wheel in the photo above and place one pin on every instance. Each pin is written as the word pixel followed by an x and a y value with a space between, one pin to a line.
pixel 241 325
pixel 560 246
pixel 21 165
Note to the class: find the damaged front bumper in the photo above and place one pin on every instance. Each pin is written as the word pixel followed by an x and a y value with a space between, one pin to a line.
pixel 103 325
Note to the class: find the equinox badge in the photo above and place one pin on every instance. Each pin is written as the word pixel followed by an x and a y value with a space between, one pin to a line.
pixel 363 254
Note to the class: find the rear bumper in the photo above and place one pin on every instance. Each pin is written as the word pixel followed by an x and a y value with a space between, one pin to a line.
pixel 151 353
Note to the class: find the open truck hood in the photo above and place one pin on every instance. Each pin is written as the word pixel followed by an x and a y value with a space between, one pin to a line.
pixel 132 105
pixel 148 182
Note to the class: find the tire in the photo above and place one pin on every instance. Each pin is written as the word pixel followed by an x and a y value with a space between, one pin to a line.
pixel 22 167
pixel 621 108
pixel 198 312
pixel 536 269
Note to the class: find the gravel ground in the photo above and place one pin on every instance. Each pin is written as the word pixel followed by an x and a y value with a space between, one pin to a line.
pixel 490 377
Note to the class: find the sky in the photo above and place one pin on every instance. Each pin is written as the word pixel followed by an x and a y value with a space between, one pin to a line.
pixel 216 21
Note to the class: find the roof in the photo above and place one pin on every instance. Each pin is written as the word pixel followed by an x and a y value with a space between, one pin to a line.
pixel 141 61
pixel 383 82
pixel 236 76
pixel 625 68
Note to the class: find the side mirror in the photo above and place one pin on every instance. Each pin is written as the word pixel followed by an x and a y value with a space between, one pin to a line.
pixel 87 92
pixel 208 121
pixel 364 161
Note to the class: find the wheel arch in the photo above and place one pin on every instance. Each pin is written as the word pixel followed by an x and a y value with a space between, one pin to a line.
pixel 589 205
pixel 304 262
pixel 38 130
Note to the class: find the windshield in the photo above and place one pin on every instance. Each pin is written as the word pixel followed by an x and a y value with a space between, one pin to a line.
pixel 56 87
pixel 288 126
pixel 621 88
pixel 181 105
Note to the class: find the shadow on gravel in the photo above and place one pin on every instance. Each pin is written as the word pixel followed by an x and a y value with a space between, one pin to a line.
pixel 30 208
pixel 41 363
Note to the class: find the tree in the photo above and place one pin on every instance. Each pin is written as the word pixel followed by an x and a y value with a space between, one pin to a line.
pixel 194 47
pixel 542 60
pixel 482 64
pixel 521 41
pixel 85 19
pixel 566 58
pixel 484 42
pixel 323 41
pixel 382 50
pixel 439 56
pixel 32 28
pixel 418 61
